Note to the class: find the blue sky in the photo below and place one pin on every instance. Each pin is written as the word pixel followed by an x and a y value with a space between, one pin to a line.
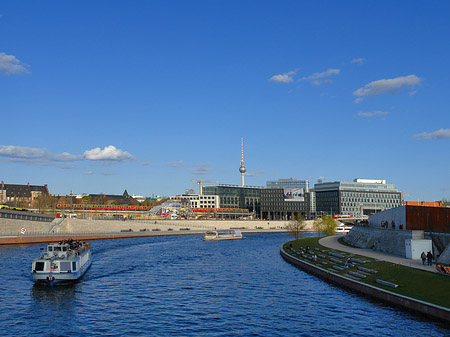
pixel 102 96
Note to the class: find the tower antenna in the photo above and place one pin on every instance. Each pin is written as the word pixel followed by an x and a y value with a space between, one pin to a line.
pixel 242 169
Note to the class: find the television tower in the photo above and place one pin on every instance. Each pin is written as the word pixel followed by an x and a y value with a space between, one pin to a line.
pixel 242 169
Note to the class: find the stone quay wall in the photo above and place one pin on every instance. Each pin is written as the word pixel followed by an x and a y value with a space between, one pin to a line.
pixel 388 241
pixel 115 226
pixel 87 226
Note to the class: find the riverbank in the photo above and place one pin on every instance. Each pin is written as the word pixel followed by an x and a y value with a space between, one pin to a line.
pixel 11 227
pixel 35 239
pixel 409 288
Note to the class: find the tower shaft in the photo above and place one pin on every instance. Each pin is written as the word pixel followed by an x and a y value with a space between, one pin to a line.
pixel 242 169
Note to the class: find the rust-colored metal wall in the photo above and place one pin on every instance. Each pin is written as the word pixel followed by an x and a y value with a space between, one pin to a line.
pixel 424 203
pixel 434 219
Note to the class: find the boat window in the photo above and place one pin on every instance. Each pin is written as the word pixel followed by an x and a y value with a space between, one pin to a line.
pixel 39 266
pixel 50 248
pixel 64 266
pixel 64 249
pixel 58 249
pixel 74 266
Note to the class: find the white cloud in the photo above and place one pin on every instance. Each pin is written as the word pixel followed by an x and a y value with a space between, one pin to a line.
pixel 109 153
pixel 39 156
pixel 9 65
pixel 108 173
pixel 360 60
pixel 201 168
pixel 319 82
pixel 179 163
pixel 31 153
pixel 255 174
pixel 320 78
pixel 372 114
pixel 105 173
pixel 439 134
pixel 284 78
pixel 322 74
pixel 386 86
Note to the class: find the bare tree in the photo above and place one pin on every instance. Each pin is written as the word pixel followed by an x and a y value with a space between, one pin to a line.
pixel 295 227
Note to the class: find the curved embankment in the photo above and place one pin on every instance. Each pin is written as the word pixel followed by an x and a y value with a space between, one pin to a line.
pixel 404 302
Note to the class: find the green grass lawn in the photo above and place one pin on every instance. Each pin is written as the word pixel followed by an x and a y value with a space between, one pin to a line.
pixel 419 284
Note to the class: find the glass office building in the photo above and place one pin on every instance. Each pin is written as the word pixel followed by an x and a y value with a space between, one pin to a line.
pixel 288 183
pixel 357 198
pixel 233 196
pixel 276 205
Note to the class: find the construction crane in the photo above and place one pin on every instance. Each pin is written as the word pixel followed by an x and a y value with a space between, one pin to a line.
pixel 403 197
pixel 200 181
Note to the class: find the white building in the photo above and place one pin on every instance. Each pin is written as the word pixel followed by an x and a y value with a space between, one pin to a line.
pixel 198 201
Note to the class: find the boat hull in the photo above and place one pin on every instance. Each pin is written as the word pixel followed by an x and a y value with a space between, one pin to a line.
pixel 55 267
pixel 222 235
pixel 53 278
pixel 221 238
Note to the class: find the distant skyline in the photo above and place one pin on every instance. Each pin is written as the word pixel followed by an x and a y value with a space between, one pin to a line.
pixel 103 96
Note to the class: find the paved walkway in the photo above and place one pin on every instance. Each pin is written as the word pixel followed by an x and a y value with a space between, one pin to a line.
pixel 332 242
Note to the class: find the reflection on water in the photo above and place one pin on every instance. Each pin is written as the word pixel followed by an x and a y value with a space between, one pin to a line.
pixel 184 286
pixel 61 296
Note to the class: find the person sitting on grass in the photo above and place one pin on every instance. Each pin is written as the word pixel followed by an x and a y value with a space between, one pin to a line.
pixel 348 263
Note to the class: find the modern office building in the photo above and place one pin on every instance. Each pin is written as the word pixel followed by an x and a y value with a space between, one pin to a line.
pixel 197 201
pixel 357 198
pixel 288 183
pixel 232 196
pixel 283 204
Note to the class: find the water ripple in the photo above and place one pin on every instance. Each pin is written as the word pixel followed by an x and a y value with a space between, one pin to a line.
pixel 162 286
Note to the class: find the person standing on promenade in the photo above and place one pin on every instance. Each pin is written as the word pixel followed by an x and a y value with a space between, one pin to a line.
pixel 429 258
pixel 423 257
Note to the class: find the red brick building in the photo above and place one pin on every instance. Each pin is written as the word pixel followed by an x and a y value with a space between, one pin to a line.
pixel 21 195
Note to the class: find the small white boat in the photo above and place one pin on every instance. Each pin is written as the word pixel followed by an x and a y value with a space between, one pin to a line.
pixel 343 229
pixel 62 262
pixel 231 234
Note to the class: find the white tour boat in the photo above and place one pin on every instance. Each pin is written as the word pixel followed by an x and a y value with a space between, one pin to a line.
pixel 62 262
pixel 230 234
pixel 343 229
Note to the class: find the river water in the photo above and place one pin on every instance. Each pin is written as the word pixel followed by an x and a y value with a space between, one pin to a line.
pixel 182 286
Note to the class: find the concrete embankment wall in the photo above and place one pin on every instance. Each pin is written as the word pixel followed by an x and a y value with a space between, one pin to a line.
pixel 70 226
pixel 384 240
pixel 13 226
pixel 61 229
pixel 404 302
pixel 114 226
pixel 445 255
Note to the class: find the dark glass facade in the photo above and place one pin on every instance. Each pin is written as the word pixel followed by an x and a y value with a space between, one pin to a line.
pixel 275 207
pixel 237 196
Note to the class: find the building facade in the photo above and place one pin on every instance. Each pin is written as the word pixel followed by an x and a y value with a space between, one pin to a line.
pixel 198 201
pixel 288 183
pixel 277 205
pixel 21 195
pixel 361 197
pixel 232 196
